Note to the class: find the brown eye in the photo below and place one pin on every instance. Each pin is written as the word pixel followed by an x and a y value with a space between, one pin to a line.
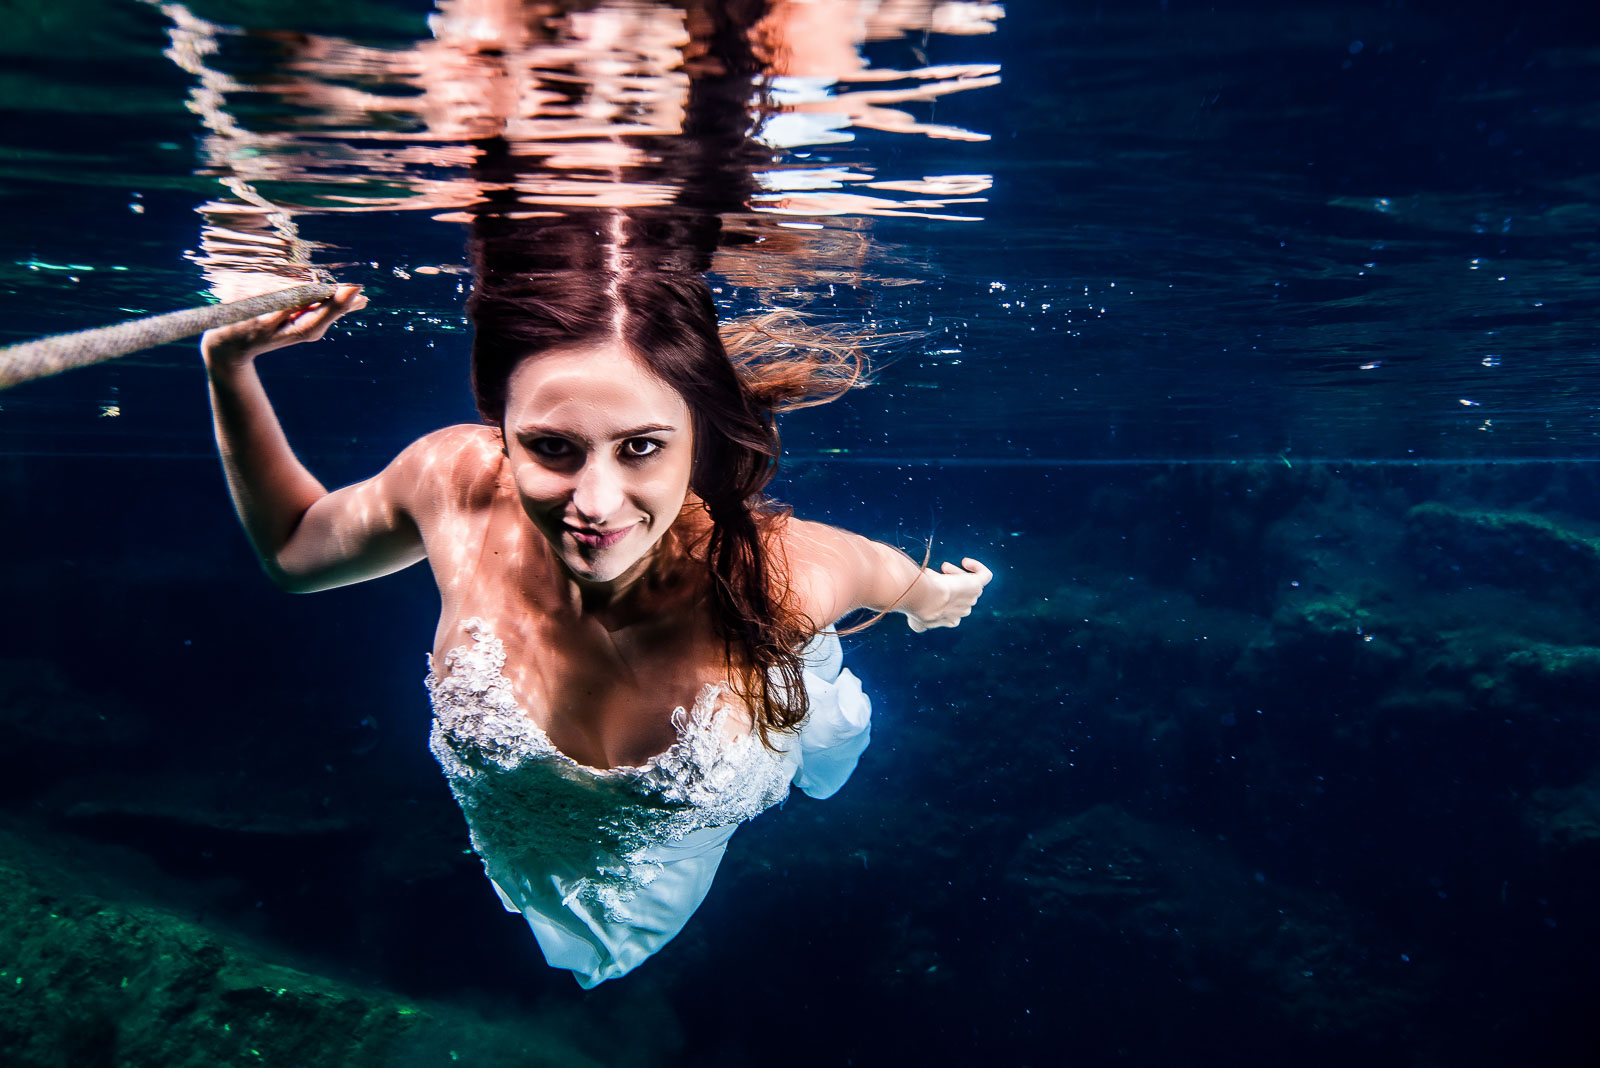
pixel 638 448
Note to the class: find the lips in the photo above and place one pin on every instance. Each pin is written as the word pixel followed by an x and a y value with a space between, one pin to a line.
pixel 591 538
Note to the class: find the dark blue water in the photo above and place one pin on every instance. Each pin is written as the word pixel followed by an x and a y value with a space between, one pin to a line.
pixel 1263 379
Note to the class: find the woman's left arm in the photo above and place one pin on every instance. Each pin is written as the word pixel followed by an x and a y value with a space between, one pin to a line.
pixel 837 572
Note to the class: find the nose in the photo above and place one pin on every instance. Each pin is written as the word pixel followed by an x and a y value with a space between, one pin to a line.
pixel 597 496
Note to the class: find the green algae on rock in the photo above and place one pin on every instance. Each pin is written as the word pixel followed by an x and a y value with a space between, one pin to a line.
pixel 90 983
pixel 1516 549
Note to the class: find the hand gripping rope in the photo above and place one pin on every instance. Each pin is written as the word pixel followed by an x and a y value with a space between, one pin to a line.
pixel 63 352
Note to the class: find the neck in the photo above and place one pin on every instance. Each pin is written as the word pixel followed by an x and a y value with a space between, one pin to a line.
pixel 613 595
pixel 653 589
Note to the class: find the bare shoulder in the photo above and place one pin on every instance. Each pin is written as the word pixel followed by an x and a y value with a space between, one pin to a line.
pixel 453 469
pixel 819 563
pixel 808 543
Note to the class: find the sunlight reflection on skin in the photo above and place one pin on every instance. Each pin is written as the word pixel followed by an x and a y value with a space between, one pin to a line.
pixel 456 489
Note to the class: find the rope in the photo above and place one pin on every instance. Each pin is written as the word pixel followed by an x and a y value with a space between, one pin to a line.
pixel 62 352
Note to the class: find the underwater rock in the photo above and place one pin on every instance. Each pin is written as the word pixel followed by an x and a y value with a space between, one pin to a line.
pixel 95 984
pixel 1556 666
pixel 1529 552
pixel 1181 903
pixel 1233 535
pixel 1101 854
pixel 1567 818
pixel 1317 635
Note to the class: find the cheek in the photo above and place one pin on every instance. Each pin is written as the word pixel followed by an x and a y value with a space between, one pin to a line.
pixel 539 487
pixel 669 488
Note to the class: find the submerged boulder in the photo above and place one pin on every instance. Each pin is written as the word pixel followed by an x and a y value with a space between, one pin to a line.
pixel 90 982
pixel 1333 636
pixel 1544 665
pixel 1130 889
pixel 1568 818
pixel 1531 553
pixel 1099 855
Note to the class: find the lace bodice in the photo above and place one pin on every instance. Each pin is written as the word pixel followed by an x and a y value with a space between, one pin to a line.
pixel 523 797
pixel 607 865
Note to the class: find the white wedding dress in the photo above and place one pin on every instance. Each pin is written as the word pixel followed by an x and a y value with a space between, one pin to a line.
pixel 608 865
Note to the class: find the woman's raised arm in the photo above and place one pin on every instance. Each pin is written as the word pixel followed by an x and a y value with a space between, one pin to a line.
pixel 306 538
pixel 837 572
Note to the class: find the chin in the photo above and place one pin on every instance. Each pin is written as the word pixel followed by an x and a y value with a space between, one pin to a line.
pixel 606 568
pixel 592 571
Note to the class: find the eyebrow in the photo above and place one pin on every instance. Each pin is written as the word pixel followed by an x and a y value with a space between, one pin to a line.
pixel 633 432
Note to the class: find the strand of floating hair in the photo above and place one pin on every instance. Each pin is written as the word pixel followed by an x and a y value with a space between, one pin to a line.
pixel 615 258
pixel 63 352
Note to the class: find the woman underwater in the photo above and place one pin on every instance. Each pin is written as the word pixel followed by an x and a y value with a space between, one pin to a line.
pixel 634 652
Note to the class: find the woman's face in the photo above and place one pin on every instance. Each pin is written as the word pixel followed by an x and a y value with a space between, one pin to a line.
pixel 601 451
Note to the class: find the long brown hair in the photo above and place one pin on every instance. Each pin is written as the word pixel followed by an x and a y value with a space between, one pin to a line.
pixel 666 319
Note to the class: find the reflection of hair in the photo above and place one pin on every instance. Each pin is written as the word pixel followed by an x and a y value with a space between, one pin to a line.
pixel 733 387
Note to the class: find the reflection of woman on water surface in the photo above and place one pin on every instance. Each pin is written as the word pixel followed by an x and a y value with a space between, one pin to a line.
pixel 635 650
